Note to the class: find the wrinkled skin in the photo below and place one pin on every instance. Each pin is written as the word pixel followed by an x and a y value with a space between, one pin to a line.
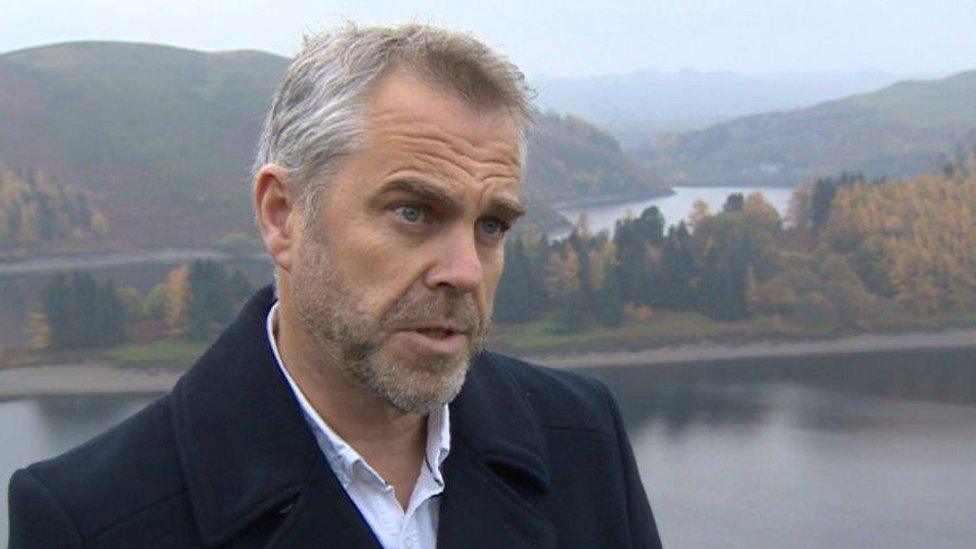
pixel 409 235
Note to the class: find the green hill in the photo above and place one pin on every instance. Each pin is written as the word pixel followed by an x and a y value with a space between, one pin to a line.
pixel 900 130
pixel 162 138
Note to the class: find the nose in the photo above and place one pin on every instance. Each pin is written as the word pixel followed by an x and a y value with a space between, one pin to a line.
pixel 457 265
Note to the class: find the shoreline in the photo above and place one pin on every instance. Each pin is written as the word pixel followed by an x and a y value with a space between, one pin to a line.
pixel 94 377
pixel 85 378
pixel 951 338
pixel 612 199
pixel 52 263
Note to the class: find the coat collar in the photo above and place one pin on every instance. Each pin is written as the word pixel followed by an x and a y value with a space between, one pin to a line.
pixel 246 450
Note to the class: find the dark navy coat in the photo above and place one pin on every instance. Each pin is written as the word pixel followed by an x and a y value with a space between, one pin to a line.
pixel 538 458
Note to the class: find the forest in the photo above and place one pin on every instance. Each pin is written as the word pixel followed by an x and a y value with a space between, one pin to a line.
pixel 194 303
pixel 850 254
pixel 38 214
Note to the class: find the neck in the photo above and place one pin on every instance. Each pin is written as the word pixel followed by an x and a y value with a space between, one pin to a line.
pixel 392 442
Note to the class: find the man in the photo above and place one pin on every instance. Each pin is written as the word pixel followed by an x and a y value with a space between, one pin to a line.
pixel 354 405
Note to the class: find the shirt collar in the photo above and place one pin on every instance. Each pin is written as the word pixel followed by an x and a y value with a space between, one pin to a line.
pixel 343 458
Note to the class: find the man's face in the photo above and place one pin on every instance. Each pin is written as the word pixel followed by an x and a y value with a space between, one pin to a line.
pixel 395 278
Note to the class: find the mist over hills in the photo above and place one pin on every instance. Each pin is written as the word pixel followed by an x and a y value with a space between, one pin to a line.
pixel 162 138
pixel 638 105
pixel 901 130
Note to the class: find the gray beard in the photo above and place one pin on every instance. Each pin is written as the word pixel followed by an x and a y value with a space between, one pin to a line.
pixel 352 344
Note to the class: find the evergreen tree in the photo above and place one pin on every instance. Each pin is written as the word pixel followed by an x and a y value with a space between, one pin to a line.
pixel 515 300
pixel 677 270
pixel 239 287
pixel 733 203
pixel 821 200
pixel 109 315
pixel 55 304
pixel 651 225
pixel 635 239
pixel 609 305
pixel 81 313
pixel 211 305
pixel 578 309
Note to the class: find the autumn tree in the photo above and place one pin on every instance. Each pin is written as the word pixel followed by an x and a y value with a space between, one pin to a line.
pixel 177 292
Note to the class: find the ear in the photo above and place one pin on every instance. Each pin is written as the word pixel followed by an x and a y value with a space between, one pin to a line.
pixel 276 208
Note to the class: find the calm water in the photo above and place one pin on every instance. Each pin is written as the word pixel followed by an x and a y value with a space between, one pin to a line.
pixel 874 450
pixel 675 207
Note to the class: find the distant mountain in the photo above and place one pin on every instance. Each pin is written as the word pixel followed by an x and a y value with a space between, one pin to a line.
pixel 162 138
pixel 638 105
pixel 903 129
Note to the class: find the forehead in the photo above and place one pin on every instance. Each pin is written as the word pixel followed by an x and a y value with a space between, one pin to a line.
pixel 408 111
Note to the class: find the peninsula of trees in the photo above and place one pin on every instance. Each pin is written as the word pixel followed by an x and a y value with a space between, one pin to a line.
pixel 851 254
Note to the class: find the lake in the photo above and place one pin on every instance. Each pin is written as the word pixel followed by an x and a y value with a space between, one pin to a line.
pixel 860 450
pixel 674 208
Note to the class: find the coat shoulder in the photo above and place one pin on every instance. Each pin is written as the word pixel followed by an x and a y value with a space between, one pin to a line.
pixel 126 470
pixel 561 399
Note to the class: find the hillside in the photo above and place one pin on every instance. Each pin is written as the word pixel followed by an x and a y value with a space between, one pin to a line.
pixel 571 159
pixel 638 105
pixel 901 130
pixel 162 138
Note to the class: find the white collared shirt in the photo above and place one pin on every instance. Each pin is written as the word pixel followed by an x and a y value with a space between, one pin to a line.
pixel 394 527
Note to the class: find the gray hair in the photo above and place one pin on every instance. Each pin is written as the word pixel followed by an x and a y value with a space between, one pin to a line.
pixel 318 111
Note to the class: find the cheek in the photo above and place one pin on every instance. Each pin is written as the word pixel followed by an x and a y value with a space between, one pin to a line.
pixel 492 267
pixel 381 270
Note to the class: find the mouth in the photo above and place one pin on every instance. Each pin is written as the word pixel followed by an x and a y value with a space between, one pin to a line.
pixel 436 333
pixel 436 339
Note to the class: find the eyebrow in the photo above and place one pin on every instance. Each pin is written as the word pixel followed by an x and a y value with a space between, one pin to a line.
pixel 502 204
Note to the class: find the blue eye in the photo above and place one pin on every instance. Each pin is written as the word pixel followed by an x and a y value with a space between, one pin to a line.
pixel 493 226
pixel 412 214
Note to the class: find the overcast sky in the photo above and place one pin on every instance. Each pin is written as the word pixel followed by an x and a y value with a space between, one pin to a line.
pixel 558 38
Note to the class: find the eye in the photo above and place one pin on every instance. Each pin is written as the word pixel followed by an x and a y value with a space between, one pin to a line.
pixel 411 213
pixel 493 227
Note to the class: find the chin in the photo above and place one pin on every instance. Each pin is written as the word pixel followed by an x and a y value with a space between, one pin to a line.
pixel 418 384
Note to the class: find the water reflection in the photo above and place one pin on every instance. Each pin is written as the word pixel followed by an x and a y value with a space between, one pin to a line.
pixel 943 375
pixel 867 450
pixel 677 406
pixel 65 418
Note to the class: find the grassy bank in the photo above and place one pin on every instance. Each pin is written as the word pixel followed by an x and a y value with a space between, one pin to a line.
pixel 174 353
pixel 665 328
pixel 669 328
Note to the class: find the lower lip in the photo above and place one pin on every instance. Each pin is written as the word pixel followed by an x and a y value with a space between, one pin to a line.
pixel 448 345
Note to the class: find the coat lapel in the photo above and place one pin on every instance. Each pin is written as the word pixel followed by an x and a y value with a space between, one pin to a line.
pixel 497 472
pixel 248 456
pixel 324 516
pixel 479 510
